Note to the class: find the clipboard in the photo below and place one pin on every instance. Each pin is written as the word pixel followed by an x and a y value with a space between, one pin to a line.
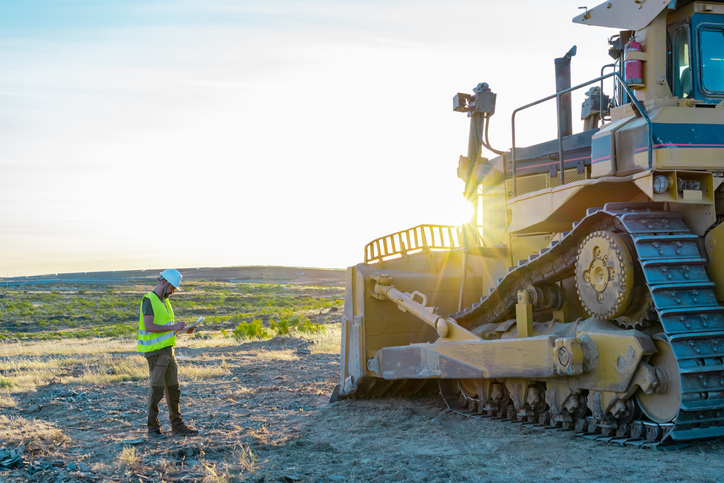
pixel 190 326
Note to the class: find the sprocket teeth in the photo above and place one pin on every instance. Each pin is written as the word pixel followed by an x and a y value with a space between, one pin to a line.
pixel 603 290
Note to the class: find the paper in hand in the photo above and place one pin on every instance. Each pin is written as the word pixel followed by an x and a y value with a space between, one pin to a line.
pixel 190 326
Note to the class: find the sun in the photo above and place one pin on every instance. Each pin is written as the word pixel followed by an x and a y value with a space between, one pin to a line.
pixel 464 211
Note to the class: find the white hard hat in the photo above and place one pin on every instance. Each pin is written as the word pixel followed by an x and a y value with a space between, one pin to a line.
pixel 173 277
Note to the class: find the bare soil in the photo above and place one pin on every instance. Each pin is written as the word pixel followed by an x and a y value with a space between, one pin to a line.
pixel 277 407
pixel 269 419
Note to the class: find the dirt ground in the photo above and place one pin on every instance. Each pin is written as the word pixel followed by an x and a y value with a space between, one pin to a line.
pixel 265 416
pixel 269 419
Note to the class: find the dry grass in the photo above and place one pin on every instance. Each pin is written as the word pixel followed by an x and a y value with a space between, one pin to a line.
pixel 96 361
pixel 199 373
pixel 27 373
pixel 278 355
pixel 79 362
pixel 329 342
pixel 104 345
pixel 101 468
pixel 28 380
pixel 239 464
pixel 244 458
pixel 205 366
pixel 106 369
pixel 216 340
pixel 114 345
pixel 127 458
pixel 38 436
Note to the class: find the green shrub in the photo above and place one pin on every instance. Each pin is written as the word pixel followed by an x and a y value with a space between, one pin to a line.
pixel 283 327
pixel 309 328
pixel 6 383
pixel 298 323
pixel 246 330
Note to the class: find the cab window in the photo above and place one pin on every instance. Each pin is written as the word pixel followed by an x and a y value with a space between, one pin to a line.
pixel 711 40
pixel 680 63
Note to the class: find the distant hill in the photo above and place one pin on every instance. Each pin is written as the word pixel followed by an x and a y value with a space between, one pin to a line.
pixel 253 274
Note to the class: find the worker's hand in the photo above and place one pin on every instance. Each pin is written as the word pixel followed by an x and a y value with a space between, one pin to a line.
pixel 179 326
pixel 191 330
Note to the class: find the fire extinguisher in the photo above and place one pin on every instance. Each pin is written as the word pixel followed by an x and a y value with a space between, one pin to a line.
pixel 633 69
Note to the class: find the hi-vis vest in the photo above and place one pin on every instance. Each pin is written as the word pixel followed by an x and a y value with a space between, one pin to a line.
pixel 162 315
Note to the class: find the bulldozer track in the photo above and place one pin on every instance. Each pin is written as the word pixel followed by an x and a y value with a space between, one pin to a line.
pixel 683 298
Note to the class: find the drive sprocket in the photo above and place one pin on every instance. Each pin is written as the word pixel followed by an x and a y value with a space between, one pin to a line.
pixel 604 274
pixel 638 318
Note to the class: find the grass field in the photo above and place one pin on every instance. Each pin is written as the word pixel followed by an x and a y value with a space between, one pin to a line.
pixel 72 313
pixel 71 335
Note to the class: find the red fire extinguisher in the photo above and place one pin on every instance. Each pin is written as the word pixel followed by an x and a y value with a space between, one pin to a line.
pixel 633 69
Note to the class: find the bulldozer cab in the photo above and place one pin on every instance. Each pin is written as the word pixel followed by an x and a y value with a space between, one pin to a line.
pixel 696 56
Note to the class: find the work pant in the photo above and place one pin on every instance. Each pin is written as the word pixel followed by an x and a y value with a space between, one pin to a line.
pixel 163 372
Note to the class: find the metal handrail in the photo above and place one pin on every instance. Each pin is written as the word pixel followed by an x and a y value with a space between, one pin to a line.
pixel 601 95
pixel 412 240
pixel 558 95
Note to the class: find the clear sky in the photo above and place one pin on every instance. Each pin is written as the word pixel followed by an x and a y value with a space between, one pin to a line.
pixel 138 134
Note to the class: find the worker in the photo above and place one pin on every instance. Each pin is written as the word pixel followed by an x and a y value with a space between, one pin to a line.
pixel 157 331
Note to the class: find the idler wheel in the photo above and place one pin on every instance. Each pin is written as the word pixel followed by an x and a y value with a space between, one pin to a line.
pixel 460 394
pixel 604 275
pixel 662 405
pixel 468 393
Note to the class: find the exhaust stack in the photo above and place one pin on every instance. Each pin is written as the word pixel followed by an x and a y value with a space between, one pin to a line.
pixel 563 82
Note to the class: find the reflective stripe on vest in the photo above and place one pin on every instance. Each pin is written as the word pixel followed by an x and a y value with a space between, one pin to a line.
pixel 162 315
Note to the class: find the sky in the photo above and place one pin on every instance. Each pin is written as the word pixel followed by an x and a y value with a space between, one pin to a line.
pixel 138 134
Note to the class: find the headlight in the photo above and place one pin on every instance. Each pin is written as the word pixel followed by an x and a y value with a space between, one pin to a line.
pixel 661 184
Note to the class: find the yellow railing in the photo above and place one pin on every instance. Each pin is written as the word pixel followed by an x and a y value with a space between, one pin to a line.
pixel 413 240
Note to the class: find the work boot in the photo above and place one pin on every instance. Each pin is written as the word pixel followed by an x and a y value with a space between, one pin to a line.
pixel 156 434
pixel 184 431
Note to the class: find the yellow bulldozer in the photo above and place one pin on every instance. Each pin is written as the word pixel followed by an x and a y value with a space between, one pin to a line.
pixel 584 293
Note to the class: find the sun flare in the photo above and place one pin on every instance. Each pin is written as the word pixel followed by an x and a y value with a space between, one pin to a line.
pixel 463 211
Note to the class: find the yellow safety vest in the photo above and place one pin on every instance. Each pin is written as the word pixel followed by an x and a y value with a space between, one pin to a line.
pixel 162 315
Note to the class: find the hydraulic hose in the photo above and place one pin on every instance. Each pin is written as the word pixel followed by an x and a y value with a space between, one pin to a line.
pixel 486 143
